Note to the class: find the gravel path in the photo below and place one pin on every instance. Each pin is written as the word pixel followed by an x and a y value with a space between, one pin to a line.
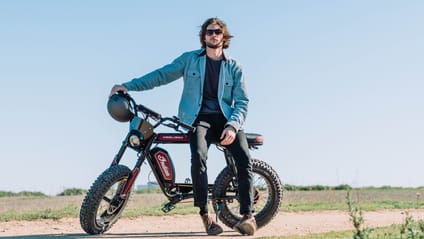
pixel 182 226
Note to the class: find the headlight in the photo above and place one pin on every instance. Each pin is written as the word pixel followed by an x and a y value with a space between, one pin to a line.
pixel 134 141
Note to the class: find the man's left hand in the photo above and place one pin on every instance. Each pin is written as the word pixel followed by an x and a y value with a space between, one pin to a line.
pixel 228 135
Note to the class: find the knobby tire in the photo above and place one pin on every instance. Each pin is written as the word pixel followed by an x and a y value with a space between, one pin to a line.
pixel 91 220
pixel 224 185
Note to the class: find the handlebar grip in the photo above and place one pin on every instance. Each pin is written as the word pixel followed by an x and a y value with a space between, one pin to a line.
pixel 148 111
pixel 184 125
pixel 188 127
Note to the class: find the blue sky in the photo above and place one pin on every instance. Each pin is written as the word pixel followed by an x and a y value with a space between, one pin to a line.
pixel 335 86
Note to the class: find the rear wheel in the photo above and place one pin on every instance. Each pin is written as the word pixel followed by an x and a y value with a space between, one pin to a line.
pixel 103 205
pixel 268 195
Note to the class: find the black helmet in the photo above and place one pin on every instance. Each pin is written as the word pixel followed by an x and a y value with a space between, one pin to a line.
pixel 118 107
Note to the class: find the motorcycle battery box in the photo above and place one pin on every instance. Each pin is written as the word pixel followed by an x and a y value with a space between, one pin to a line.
pixel 162 165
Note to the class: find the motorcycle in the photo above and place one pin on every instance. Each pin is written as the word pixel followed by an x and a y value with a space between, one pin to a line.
pixel 109 194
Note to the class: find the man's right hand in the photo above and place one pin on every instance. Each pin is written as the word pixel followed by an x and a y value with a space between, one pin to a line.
pixel 117 88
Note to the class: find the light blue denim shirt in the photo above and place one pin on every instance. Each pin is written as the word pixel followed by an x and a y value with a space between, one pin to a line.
pixel 232 96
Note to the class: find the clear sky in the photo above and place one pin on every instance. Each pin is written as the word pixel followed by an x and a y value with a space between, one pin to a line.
pixel 336 87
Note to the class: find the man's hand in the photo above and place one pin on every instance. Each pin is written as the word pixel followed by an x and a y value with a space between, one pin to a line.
pixel 228 135
pixel 117 88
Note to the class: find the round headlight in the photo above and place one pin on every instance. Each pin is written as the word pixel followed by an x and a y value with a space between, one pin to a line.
pixel 134 141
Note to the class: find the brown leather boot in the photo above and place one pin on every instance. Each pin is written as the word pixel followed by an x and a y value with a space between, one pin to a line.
pixel 246 226
pixel 211 227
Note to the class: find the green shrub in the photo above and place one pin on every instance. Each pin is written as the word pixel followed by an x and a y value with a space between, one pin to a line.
pixel 290 187
pixel 72 191
pixel 343 187
pixel 356 216
pixel 22 194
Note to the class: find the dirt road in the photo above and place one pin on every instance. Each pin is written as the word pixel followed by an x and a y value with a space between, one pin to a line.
pixel 182 226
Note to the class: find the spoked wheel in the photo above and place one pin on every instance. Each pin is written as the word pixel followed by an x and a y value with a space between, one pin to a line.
pixel 267 197
pixel 103 205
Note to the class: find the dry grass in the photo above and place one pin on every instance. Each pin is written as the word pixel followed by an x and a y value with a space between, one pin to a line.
pixel 361 195
pixel 22 204
pixel 156 199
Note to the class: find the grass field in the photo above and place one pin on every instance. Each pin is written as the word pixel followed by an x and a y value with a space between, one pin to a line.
pixel 368 199
pixel 55 207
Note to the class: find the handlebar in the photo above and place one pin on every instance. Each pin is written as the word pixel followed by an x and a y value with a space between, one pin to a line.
pixel 148 111
pixel 184 125
pixel 176 123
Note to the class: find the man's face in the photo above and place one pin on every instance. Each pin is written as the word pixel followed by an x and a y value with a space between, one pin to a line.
pixel 214 37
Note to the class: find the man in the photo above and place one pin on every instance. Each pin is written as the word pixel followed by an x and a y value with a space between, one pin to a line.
pixel 215 102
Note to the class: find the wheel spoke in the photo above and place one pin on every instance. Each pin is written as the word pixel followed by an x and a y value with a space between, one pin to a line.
pixel 108 200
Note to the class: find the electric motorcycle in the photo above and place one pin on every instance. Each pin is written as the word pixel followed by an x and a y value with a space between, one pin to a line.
pixel 109 194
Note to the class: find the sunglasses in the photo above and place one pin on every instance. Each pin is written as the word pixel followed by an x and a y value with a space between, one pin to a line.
pixel 210 32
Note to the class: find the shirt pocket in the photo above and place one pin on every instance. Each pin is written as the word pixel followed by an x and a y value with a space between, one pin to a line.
pixel 192 85
pixel 228 91
pixel 192 75
pixel 229 83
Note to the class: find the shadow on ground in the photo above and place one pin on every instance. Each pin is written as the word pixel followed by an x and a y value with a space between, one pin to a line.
pixel 121 235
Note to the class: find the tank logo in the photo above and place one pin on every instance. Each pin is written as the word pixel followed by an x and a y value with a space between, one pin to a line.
pixel 174 138
pixel 164 165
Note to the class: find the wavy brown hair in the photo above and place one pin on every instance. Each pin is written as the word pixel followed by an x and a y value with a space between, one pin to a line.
pixel 214 20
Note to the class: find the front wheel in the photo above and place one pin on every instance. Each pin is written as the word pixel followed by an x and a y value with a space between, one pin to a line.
pixel 267 190
pixel 103 205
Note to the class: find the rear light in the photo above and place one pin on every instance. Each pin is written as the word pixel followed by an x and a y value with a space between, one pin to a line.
pixel 260 139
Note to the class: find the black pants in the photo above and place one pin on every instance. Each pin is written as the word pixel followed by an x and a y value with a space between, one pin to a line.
pixel 209 128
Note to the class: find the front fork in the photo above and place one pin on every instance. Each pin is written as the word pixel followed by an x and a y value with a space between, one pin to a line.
pixel 121 151
pixel 136 170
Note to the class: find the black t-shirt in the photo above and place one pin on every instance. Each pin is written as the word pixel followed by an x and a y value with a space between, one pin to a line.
pixel 210 104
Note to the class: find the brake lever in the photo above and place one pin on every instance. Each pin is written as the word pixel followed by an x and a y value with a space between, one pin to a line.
pixel 183 125
pixel 171 125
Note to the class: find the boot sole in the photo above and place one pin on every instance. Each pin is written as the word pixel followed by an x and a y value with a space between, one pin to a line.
pixel 245 229
pixel 215 233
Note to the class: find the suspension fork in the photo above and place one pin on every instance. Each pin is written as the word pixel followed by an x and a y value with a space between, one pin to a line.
pixel 132 177
pixel 136 170
pixel 121 151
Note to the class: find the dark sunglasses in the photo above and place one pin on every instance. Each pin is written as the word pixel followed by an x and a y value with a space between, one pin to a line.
pixel 210 32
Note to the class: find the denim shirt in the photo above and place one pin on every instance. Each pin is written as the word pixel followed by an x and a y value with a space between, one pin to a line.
pixel 232 96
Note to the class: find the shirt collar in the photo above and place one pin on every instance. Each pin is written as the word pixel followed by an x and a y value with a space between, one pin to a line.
pixel 202 52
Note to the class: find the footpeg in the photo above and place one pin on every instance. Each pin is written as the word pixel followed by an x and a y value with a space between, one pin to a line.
pixel 168 207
